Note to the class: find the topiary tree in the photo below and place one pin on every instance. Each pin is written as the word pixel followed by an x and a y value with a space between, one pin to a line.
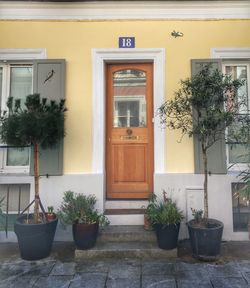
pixel 37 124
pixel 204 107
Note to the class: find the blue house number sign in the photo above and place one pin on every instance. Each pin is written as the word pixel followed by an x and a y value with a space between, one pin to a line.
pixel 126 42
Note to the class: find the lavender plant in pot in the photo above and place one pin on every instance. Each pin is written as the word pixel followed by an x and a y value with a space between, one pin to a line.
pixel 37 124
pixel 79 211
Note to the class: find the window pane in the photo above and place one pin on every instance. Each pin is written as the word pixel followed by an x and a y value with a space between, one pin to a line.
pixel 20 87
pixel 1 85
pixel 240 72
pixel 18 156
pixel 129 102
pixel 238 151
pixel 241 207
pixel 20 82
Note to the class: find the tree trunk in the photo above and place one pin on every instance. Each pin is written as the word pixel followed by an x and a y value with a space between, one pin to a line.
pixel 36 177
pixel 204 154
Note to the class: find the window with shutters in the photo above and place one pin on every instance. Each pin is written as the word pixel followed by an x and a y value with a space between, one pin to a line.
pixel 16 80
pixel 238 148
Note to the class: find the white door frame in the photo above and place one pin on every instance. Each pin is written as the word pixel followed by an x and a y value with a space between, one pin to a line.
pixel 99 58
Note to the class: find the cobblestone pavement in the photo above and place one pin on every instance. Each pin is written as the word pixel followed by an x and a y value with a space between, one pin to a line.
pixel 117 273
pixel 62 270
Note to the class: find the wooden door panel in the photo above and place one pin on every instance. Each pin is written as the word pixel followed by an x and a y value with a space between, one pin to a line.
pixel 129 144
pixel 131 158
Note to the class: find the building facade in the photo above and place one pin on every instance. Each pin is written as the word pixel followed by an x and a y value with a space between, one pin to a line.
pixel 115 63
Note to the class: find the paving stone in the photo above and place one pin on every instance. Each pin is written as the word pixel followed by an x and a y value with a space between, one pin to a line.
pixel 53 281
pixel 228 270
pixel 125 269
pixel 40 268
pixel 182 266
pixel 196 275
pixel 19 282
pixel 246 275
pixel 89 280
pixel 157 268
pixel 244 265
pixel 89 266
pixel 67 268
pixel 123 283
pixel 230 282
pixel 158 281
pixel 191 283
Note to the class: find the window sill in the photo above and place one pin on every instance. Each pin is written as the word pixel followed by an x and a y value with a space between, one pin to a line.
pixel 15 178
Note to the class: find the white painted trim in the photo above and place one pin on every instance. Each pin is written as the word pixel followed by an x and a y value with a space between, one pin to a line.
pixel 99 58
pixel 23 54
pixel 113 10
pixel 230 53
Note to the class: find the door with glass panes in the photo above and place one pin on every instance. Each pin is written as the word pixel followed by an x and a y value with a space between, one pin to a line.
pixel 129 130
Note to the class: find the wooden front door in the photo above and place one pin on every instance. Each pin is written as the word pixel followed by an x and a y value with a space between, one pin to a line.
pixel 129 138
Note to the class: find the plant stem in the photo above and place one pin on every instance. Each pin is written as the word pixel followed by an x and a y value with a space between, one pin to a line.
pixel 36 177
pixel 204 154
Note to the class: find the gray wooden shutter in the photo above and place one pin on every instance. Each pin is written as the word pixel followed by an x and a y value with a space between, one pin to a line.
pixel 217 152
pixel 49 82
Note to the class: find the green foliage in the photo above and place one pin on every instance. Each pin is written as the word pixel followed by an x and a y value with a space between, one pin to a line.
pixel 163 212
pixel 78 208
pixel 39 122
pixel 245 190
pixel 198 106
pixel 1 205
pixel 50 209
pixel 197 214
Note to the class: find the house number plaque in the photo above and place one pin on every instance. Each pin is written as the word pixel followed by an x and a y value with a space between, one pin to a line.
pixel 126 42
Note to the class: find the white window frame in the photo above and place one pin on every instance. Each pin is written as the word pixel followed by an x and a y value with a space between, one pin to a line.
pixel 4 168
pixel 12 55
pixel 238 166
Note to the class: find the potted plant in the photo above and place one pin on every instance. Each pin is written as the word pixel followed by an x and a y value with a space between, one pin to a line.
pixel 79 211
pixel 165 217
pixel 36 124
pixel 50 214
pixel 204 107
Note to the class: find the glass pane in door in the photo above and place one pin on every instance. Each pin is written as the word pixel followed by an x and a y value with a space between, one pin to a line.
pixel 129 100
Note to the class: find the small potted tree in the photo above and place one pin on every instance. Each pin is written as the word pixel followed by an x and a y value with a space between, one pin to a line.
pixel 165 217
pixel 37 124
pixel 79 211
pixel 204 107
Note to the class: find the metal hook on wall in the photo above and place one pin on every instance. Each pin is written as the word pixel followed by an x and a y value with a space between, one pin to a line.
pixel 177 34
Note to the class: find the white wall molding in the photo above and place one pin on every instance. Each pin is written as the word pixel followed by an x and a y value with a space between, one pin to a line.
pixel 111 10
pixel 22 54
pixel 230 53
pixel 99 58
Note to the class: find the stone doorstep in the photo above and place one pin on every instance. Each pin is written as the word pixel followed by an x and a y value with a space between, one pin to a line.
pixel 126 242
pixel 126 233
pixel 126 250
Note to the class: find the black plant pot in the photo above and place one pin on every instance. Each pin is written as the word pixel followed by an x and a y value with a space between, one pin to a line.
pixel 206 242
pixel 167 235
pixel 35 240
pixel 85 235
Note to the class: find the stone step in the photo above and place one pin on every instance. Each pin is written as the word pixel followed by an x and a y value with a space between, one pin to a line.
pixel 126 204
pixel 126 233
pixel 134 216
pixel 125 250
pixel 126 242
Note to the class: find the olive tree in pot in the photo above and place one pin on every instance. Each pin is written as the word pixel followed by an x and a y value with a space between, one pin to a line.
pixel 79 211
pixel 203 107
pixel 165 217
pixel 37 124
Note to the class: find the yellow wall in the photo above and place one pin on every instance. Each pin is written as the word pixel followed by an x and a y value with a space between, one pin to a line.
pixel 73 41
